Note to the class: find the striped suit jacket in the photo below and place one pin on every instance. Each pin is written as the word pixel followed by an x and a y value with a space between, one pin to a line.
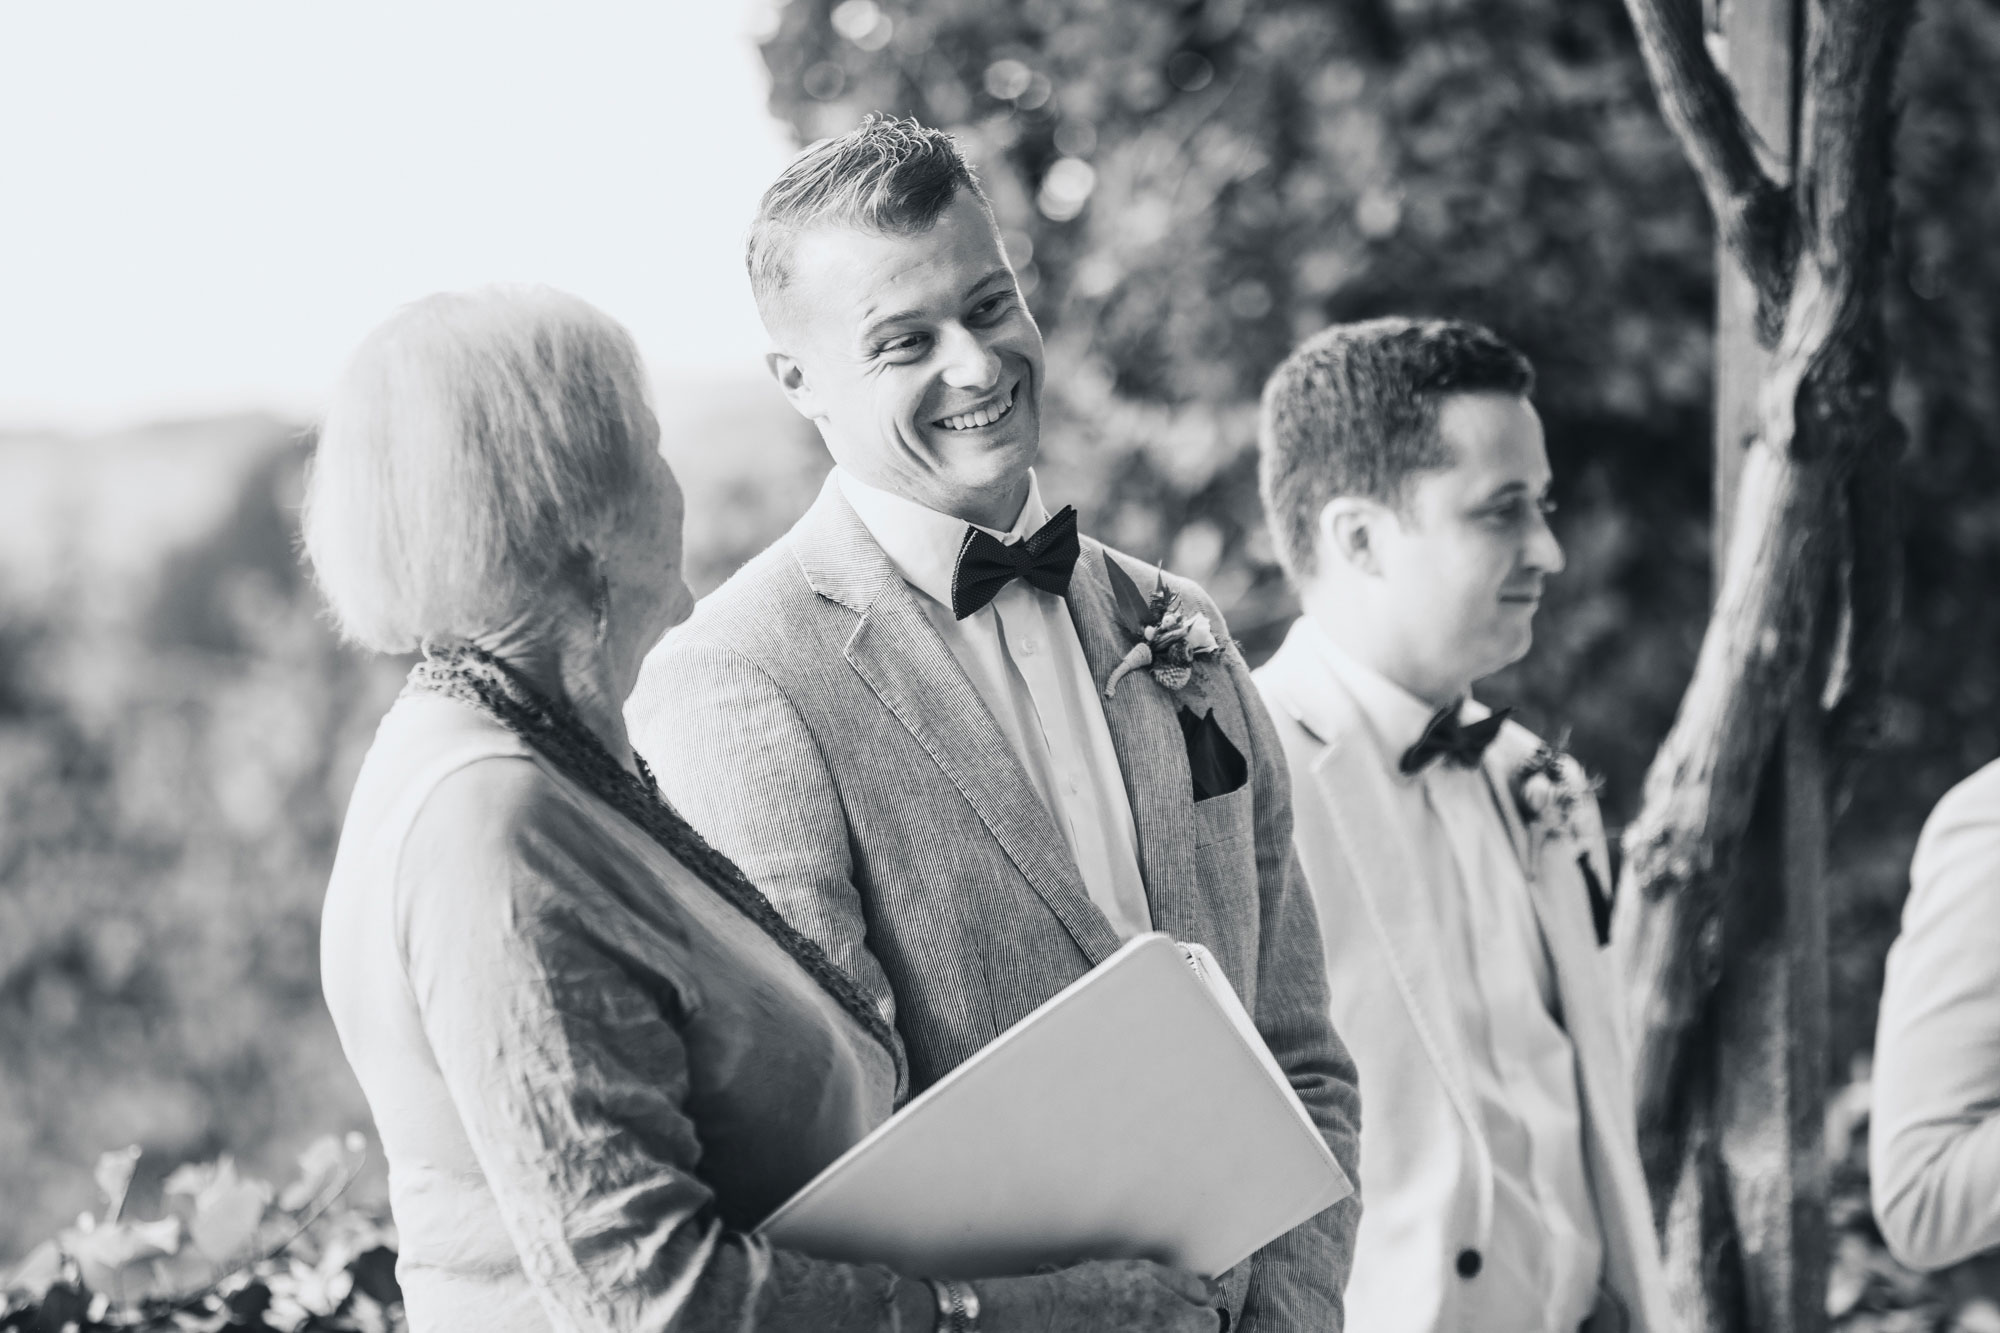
pixel 812 723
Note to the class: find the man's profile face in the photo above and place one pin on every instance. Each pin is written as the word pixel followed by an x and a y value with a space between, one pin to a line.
pixel 918 360
pixel 1465 561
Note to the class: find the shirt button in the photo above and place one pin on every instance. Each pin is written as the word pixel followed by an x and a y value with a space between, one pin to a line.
pixel 1469 1263
pixel 1027 647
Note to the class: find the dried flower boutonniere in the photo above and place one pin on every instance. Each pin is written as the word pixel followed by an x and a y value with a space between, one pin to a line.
pixel 1556 799
pixel 1168 639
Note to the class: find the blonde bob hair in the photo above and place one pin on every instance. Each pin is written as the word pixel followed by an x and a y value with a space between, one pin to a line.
pixel 477 447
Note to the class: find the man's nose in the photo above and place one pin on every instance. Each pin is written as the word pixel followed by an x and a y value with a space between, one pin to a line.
pixel 1544 551
pixel 968 362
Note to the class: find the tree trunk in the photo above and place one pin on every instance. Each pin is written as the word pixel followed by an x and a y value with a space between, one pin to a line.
pixel 1723 907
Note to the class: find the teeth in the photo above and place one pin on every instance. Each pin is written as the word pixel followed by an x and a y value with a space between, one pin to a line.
pixel 985 416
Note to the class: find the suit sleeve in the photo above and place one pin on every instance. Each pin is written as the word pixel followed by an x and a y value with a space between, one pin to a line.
pixel 732 754
pixel 1934 1147
pixel 1298 1281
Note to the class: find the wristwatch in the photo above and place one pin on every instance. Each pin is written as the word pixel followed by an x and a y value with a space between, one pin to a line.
pixel 958 1306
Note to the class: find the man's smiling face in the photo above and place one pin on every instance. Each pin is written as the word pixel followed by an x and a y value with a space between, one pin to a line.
pixel 918 361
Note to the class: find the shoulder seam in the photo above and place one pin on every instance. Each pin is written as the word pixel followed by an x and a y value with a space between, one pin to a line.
pixel 416 802
pixel 730 650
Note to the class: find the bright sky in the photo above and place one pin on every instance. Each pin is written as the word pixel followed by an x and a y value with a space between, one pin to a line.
pixel 205 204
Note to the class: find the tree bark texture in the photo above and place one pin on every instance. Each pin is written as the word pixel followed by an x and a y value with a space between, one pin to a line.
pixel 1726 929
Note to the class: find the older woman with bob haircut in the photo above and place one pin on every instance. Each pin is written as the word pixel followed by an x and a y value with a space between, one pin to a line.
pixel 595 1054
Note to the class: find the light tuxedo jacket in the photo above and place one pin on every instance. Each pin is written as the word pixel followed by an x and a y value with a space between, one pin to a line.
pixel 1426 1172
pixel 812 723
pixel 1934 1139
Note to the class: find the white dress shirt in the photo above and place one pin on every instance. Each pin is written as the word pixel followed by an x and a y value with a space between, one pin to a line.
pixel 1023 657
pixel 1542 1263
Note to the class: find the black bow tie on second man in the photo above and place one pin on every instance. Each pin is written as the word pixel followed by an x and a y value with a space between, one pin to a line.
pixel 986 564
pixel 1460 743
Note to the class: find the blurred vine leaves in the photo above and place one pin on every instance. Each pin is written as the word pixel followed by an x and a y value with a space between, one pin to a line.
pixel 229 1252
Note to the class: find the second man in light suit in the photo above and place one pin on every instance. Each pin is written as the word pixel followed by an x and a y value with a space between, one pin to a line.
pixel 1458 865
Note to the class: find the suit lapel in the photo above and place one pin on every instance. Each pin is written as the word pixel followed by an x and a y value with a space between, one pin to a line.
pixel 1152 755
pixel 1499 762
pixel 1353 781
pixel 897 650
pixel 1562 909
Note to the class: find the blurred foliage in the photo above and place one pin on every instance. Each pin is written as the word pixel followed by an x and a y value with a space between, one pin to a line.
pixel 172 782
pixel 226 1252
pixel 1189 188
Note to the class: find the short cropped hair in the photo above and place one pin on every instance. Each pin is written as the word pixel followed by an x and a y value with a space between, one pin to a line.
pixel 1354 411
pixel 887 176
pixel 477 444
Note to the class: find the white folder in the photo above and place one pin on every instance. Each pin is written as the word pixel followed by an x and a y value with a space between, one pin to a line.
pixel 1136 1114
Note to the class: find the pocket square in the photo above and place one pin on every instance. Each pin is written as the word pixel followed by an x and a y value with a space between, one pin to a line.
pixel 1217 765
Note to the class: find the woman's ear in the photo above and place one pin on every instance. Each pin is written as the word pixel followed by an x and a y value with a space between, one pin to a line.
pixel 1349 532
pixel 584 578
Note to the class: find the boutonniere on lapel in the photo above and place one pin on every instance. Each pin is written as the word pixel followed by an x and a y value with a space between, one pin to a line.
pixel 1556 799
pixel 1169 642
pixel 1167 639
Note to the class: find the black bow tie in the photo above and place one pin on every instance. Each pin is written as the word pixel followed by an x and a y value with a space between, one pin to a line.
pixel 1457 743
pixel 986 564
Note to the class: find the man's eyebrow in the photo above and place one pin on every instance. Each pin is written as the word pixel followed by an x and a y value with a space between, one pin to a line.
pixel 973 290
pixel 1511 489
pixel 873 323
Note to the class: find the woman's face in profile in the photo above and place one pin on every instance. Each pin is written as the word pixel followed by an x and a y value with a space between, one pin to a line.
pixel 648 594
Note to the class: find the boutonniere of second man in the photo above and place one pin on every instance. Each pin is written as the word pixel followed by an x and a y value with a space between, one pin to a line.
pixel 1557 801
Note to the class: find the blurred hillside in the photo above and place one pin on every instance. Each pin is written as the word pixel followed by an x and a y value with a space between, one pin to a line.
pixel 178 735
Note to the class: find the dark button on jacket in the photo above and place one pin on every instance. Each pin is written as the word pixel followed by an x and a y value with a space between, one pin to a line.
pixel 1469 1263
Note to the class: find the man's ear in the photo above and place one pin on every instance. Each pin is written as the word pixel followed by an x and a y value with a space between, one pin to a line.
pixel 791 378
pixel 1349 530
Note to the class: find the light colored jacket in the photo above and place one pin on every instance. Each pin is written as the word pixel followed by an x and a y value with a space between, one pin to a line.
pixel 1934 1136
pixel 811 722
pixel 1426 1171
pixel 591 1074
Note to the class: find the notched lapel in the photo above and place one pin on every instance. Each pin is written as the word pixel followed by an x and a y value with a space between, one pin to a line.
pixel 897 650
pixel 1499 765
pixel 1152 755
pixel 1562 906
pixel 1562 909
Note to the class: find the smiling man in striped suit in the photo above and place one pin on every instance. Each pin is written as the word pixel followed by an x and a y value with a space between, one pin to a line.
pixel 901 719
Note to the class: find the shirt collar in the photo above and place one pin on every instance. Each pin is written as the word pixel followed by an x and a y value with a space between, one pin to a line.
pixel 920 542
pixel 1397 717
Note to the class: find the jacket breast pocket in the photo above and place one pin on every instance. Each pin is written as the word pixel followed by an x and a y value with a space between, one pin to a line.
pixel 1220 818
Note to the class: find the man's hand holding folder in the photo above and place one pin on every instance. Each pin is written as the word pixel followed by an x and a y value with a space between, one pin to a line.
pixel 1102 1294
